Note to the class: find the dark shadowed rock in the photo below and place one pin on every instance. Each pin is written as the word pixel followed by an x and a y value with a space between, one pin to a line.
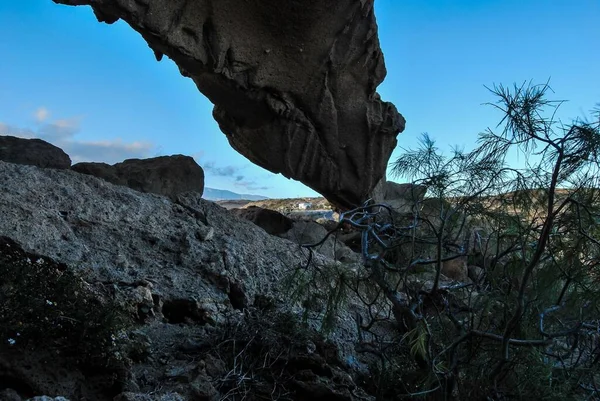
pixel 306 232
pixel 8 394
pixel 271 221
pixel 456 269
pixel 100 170
pixel 293 82
pixel 34 152
pixel 164 175
pixel 476 273
pixel 327 224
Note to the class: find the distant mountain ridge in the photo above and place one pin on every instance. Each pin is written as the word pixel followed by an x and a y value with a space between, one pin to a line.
pixel 213 194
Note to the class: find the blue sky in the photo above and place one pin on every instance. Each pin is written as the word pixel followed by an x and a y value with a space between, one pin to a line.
pixel 96 90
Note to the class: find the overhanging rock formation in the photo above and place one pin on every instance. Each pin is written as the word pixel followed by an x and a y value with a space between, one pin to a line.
pixel 293 82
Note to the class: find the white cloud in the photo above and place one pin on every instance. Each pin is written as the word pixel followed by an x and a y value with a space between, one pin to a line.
pixel 59 131
pixel 251 186
pixel 63 133
pixel 10 130
pixel 111 151
pixel 234 173
pixel 41 114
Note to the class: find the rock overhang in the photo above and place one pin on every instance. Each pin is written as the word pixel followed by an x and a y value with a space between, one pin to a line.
pixel 293 83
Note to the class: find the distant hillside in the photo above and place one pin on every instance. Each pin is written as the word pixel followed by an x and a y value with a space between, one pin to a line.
pixel 292 204
pixel 213 194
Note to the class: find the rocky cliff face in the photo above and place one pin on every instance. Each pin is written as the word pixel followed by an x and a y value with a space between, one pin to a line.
pixel 293 83
pixel 184 271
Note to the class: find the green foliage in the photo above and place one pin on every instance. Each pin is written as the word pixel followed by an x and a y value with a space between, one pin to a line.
pixel 322 292
pixel 528 329
pixel 417 341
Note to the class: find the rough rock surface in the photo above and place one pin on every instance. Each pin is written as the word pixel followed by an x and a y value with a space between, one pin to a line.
pixel 401 197
pixel 476 273
pixel 271 221
pixel 293 83
pixel 310 232
pixel 181 285
pixel 124 235
pixel 456 269
pixel 302 232
pixel 394 190
pixel 164 175
pixel 34 152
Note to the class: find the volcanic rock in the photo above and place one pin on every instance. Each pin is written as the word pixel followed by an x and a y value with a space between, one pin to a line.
pixel 101 170
pixel 410 191
pixel 34 152
pixel 476 273
pixel 401 197
pixel 311 233
pixel 271 221
pixel 456 269
pixel 150 254
pixel 293 82
pixel 164 175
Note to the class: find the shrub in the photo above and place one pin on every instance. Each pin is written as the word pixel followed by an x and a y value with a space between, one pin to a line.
pixel 45 305
pixel 529 329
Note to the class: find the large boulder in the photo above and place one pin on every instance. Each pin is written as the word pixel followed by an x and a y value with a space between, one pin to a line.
pixel 408 191
pixel 306 232
pixel 101 170
pixel 293 82
pixel 82 250
pixel 271 221
pixel 164 175
pixel 402 198
pixel 33 152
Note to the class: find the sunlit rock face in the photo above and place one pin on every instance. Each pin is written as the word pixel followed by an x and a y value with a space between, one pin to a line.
pixel 293 82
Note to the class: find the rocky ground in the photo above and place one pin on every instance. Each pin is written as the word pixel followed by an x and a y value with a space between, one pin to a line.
pixel 142 290
pixel 139 296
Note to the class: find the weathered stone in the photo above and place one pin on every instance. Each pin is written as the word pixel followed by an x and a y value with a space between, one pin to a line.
pixel 403 198
pixel 433 209
pixel 271 221
pixel 203 390
pixel 410 191
pixel 476 273
pixel 310 232
pixel 312 389
pixel 141 249
pixel 327 224
pixel 46 398
pixel 101 170
pixel 9 394
pixel 131 396
pixel 456 269
pixel 123 235
pixel 293 83
pixel 205 233
pixel 164 175
pixel 34 152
